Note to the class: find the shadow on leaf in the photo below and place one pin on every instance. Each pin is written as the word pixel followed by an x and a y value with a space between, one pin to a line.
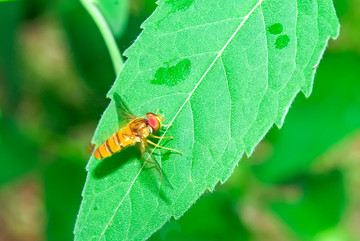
pixel 150 176
pixel 114 162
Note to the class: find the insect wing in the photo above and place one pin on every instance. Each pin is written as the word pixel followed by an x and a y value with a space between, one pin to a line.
pixel 147 156
pixel 124 114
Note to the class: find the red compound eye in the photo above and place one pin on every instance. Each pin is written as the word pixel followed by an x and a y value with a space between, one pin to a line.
pixel 153 121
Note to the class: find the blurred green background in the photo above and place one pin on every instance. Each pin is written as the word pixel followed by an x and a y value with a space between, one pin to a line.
pixel 302 182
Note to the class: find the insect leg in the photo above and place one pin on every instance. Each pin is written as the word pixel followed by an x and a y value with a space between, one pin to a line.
pixel 170 149
pixel 159 137
pixel 144 148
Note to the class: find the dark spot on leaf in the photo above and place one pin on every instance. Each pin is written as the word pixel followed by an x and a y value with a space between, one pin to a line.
pixel 172 75
pixel 175 5
pixel 180 4
pixel 282 41
pixel 276 28
pixel 95 208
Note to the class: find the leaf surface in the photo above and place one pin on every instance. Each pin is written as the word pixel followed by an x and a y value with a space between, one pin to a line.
pixel 331 114
pixel 222 73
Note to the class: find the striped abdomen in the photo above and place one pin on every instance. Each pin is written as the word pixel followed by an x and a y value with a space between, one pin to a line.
pixel 118 141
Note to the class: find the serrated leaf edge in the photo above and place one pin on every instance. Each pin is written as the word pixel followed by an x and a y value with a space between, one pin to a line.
pixel 182 106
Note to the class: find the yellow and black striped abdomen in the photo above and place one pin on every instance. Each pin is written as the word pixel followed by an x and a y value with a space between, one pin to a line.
pixel 116 143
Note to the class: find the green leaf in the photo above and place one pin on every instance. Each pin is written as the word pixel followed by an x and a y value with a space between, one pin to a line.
pixel 239 83
pixel 10 20
pixel 62 181
pixel 14 163
pixel 332 112
pixel 325 212
pixel 212 217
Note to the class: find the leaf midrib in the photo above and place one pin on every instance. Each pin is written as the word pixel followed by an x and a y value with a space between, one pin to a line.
pixel 182 106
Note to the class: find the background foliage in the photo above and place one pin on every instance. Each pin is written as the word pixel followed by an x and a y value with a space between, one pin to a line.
pixel 300 184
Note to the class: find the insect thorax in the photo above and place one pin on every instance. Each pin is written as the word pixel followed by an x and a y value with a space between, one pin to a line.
pixel 140 127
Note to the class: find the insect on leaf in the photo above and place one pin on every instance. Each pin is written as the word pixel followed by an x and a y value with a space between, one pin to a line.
pixel 222 73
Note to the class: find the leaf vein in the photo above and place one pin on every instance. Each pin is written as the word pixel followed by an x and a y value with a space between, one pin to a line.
pixel 118 206
pixel 182 106
pixel 200 25
pixel 216 58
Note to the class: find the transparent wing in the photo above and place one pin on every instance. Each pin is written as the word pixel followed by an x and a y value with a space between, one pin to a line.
pixel 124 114
pixel 147 156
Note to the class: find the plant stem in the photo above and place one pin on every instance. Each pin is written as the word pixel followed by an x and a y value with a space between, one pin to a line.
pixel 106 33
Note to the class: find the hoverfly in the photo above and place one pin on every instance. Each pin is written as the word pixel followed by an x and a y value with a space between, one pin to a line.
pixel 133 130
